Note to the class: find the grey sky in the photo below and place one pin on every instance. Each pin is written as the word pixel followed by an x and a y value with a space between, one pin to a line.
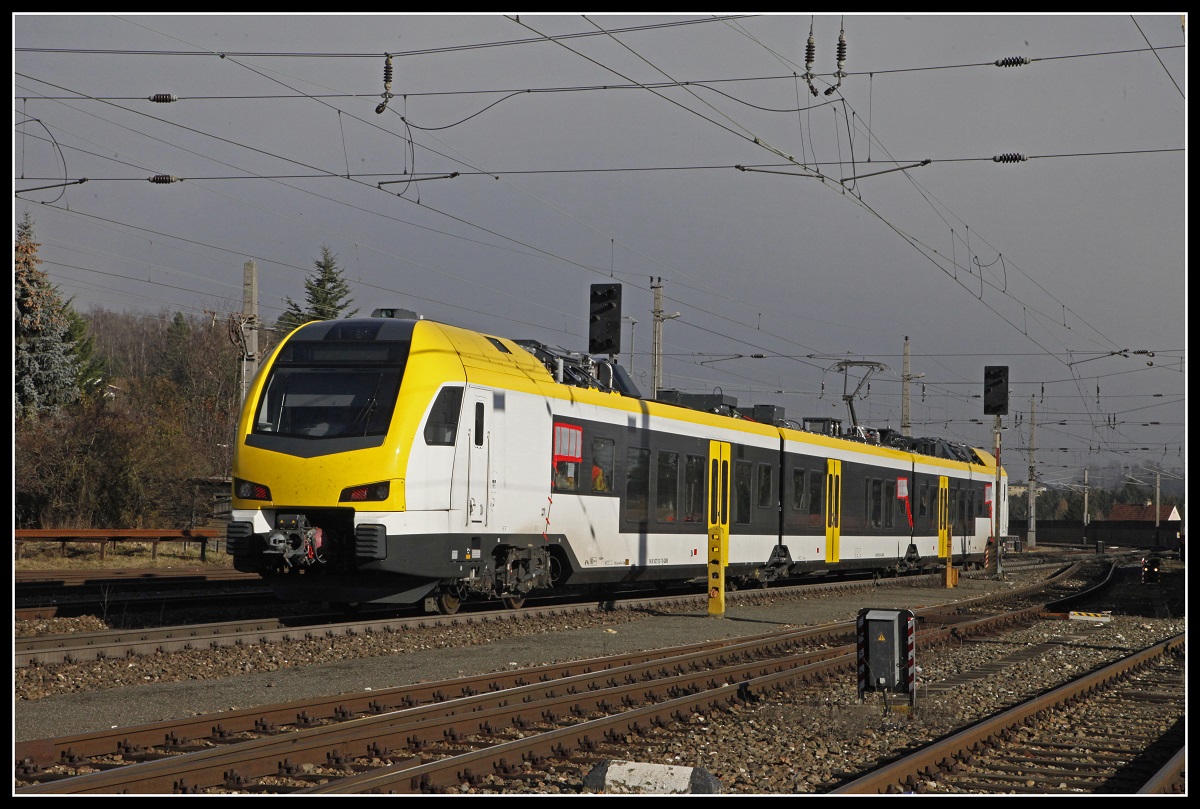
pixel 603 165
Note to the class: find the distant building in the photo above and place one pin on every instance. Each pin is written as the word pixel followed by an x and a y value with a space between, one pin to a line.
pixel 1144 513
pixel 1016 490
pixel 1134 526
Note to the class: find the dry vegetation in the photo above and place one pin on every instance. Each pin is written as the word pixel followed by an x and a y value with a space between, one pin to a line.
pixel 51 555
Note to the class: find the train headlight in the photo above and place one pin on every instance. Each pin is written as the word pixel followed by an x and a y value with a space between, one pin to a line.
pixel 366 493
pixel 248 490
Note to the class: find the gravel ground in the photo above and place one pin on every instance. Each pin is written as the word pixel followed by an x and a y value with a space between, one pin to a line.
pixel 779 746
pixel 803 747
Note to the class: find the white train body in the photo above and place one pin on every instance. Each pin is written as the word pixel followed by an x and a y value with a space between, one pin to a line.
pixel 385 460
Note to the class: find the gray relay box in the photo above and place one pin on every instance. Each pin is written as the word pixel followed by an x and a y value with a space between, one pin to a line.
pixel 886 651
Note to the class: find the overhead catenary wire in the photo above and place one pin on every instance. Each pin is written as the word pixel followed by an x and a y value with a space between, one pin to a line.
pixel 982 158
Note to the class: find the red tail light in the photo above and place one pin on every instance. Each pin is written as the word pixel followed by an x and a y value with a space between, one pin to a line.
pixel 248 490
pixel 368 492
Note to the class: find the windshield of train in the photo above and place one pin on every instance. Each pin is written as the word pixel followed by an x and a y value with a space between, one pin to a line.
pixel 331 389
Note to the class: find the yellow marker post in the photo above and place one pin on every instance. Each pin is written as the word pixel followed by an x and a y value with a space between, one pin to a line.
pixel 718 525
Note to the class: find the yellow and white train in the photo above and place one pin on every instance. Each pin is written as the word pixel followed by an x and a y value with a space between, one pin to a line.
pixel 391 460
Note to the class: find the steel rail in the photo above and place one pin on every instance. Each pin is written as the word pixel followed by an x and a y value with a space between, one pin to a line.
pixel 904 775
pixel 95 646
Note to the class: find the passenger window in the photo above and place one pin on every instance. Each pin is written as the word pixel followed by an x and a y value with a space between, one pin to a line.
pixel 603 452
pixel 797 489
pixel 566 476
pixel 568 448
pixel 815 504
pixel 766 489
pixel 742 476
pixel 693 489
pixel 666 502
pixel 637 485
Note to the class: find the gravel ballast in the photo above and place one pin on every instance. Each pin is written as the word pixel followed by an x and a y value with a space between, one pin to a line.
pixel 773 747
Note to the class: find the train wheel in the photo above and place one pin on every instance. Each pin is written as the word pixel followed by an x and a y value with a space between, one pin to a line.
pixel 448 603
pixel 513 602
pixel 557 570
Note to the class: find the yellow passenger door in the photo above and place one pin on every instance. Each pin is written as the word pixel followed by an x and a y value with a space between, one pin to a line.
pixel 943 517
pixel 833 510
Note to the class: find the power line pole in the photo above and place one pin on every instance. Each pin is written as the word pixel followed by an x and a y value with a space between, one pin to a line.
pixel 997 542
pixel 659 317
pixel 249 325
pixel 906 377
pixel 1031 540
pixel 632 337
pixel 1086 491
pixel 1157 509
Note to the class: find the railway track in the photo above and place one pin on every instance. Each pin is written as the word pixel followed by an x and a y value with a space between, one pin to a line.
pixel 1116 730
pixel 667 675
pixel 116 644
pixel 494 733
pixel 623 708
pixel 583 702
pixel 45 594
pixel 42 594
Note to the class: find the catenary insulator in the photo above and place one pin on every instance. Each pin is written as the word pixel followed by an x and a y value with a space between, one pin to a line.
pixel 1012 61
pixel 1009 157
pixel 164 179
pixel 841 63
pixel 810 51
pixel 386 95
pixel 164 98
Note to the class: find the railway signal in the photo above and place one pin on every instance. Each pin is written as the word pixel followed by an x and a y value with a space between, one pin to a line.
pixel 995 403
pixel 995 390
pixel 604 325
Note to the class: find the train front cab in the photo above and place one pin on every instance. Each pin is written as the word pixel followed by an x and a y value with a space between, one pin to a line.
pixel 362 471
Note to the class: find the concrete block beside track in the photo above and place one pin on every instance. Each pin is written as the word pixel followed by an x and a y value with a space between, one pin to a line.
pixel 634 778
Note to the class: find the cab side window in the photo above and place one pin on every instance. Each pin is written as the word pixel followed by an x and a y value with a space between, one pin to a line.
pixel 442 424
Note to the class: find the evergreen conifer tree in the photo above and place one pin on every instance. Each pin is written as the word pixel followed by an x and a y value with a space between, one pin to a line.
pixel 45 372
pixel 326 294
pixel 92 373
